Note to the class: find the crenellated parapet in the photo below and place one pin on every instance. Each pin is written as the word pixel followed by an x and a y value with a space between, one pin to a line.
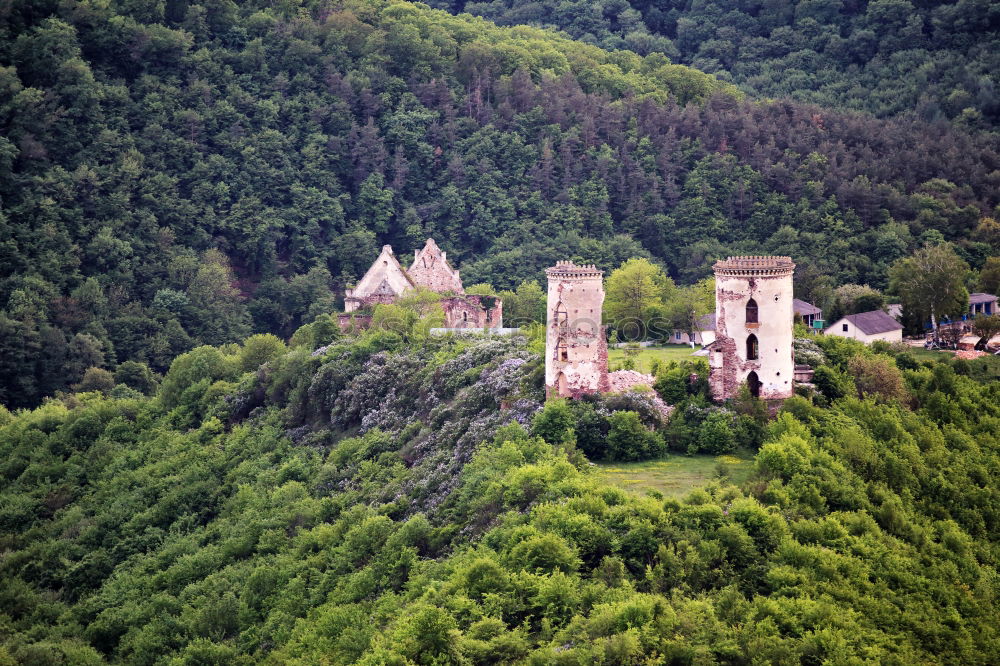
pixel 749 266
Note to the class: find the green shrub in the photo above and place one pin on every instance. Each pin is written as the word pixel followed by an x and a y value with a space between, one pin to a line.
pixel 833 383
pixel 136 375
pixel 258 350
pixel 629 439
pixel 554 422
pixel 715 435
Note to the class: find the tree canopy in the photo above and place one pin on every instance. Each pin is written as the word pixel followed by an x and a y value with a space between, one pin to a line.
pixel 185 173
pixel 382 501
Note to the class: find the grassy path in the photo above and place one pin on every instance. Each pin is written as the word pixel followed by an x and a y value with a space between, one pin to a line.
pixel 676 475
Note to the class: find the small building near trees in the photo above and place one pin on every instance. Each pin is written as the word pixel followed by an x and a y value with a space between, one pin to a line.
pixel 807 311
pixel 704 333
pixel 980 303
pixel 868 327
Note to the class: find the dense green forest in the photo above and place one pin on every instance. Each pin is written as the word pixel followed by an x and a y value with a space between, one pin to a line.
pixel 931 59
pixel 394 499
pixel 180 173
pixel 176 175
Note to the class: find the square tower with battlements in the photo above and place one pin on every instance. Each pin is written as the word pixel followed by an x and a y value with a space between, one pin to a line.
pixel 753 328
pixel 576 351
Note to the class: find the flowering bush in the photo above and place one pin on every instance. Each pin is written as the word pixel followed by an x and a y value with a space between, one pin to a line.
pixel 807 352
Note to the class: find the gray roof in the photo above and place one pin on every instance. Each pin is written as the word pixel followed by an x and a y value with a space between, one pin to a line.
pixel 706 322
pixel 800 307
pixel 874 322
pixel 980 297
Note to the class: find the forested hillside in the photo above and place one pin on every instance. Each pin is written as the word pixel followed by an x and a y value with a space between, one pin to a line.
pixel 181 173
pixel 931 59
pixel 388 502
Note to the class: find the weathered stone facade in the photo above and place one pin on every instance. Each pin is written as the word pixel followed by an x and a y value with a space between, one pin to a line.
pixel 384 282
pixel 430 269
pixel 753 319
pixel 576 351
pixel 387 280
pixel 472 312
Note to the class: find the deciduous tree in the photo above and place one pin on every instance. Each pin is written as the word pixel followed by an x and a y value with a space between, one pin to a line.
pixel 931 283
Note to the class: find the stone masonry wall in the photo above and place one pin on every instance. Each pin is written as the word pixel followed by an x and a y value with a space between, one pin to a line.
pixel 576 351
pixel 472 312
pixel 768 281
pixel 430 269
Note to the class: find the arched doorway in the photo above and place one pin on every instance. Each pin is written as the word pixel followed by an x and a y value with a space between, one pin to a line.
pixel 753 383
pixel 562 384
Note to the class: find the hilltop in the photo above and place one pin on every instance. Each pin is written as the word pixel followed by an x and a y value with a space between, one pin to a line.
pixel 184 174
pixel 934 60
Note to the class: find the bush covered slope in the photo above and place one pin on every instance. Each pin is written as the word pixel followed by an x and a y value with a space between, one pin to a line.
pixel 176 174
pixel 385 502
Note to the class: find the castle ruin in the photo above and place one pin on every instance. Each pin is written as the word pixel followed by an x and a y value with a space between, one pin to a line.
pixel 386 281
pixel 754 336
pixel 430 269
pixel 576 352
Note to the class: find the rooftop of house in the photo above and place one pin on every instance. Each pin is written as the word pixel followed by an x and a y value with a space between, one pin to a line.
pixel 876 321
pixel 980 297
pixel 800 307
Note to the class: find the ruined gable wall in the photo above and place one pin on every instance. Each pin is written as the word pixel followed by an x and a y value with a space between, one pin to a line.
pixel 430 269
pixel 382 283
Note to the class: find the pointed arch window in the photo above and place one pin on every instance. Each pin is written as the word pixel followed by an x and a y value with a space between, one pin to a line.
pixel 562 316
pixel 753 349
pixel 752 312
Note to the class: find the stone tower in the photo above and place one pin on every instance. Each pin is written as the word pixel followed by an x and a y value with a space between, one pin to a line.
pixel 753 320
pixel 576 352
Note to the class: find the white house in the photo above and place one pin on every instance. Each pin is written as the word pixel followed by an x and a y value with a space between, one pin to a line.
pixel 868 327
pixel 703 335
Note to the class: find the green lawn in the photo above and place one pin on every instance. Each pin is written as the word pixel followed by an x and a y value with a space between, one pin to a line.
pixel 644 359
pixel 676 475
pixel 930 354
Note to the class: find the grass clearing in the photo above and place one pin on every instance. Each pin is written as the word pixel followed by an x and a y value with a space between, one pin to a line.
pixel 676 475
pixel 644 359
pixel 931 354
